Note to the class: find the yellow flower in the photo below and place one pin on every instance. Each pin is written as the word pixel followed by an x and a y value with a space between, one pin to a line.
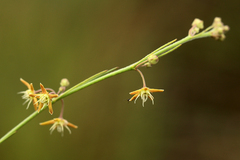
pixel 144 93
pixel 59 123
pixel 26 94
pixel 44 98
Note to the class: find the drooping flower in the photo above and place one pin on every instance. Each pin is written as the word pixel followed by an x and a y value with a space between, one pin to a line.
pixel 44 98
pixel 59 124
pixel 27 93
pixel 144 93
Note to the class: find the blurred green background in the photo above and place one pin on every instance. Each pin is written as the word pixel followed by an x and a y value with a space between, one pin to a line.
pixel 197 117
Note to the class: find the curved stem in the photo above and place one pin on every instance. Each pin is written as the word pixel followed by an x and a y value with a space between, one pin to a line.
pixel 62 109
pixel 143 79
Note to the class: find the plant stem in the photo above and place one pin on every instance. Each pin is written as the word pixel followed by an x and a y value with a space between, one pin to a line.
pixel 107 74
pixel 12 131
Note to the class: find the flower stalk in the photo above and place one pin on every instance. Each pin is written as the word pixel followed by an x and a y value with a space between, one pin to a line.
pixel 216 30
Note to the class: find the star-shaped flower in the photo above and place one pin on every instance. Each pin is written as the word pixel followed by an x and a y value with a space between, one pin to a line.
pixel 59 123
pixel 26 94
pixel 44 98
pixel 144 93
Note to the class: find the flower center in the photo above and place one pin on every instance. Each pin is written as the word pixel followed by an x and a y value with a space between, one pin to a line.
pixel 44 98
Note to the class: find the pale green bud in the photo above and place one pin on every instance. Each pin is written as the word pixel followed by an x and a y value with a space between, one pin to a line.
pixel 153 59
pixel 226 28
pixel 147 65
pixel 64 82
pixel 198 23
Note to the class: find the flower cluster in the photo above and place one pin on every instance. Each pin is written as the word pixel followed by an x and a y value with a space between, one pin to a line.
pixel 42 98
pixel 219 29
pixel 197 24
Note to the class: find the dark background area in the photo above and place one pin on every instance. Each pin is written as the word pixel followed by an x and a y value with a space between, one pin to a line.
pixel 196 117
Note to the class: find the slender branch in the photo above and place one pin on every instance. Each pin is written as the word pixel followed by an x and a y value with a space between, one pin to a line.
pixel 161 51
pixel 12 131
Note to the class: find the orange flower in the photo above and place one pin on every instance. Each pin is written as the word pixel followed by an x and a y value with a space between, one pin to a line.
pixel 44 98
pixel 59 123
pixel 145 93
pixel 26 94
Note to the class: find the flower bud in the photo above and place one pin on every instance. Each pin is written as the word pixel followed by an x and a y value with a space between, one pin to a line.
pixel 226 28
pixel 64 82
pixel 220 30
pixel 153 59
pixel 198 23
pixel 147 65
pixel 222 37
pixel 61 89
pixel 217 20
pixel 196 30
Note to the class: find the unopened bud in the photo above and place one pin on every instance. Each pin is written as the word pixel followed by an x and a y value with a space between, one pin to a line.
pixel 217 19
pixel 198 23
pixel 226 28
pixel 217 22
pixel 147 65
pixel 196 30
pixel 222 37
pixel 61 89
pixel 153 59
pixel 220 30
pixel 64 82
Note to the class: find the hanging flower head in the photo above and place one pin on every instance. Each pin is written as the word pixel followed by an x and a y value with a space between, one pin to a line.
pixel 44 98
pixel 27 93
pixel 144 93
pixel 59 124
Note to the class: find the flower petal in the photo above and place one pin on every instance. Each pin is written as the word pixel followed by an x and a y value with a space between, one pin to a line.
pixel 50 107
pixel 35 103
pixel 44 91
pixel 40 107
pixel 35 95
pixel 135 92
pixel 72 125
pixel 48 122
pixel 26 83
pixel 156 90
pixel 52 95
pixel 31 88
pixel 133 97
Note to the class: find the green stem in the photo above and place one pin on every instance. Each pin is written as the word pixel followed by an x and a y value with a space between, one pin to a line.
pixel 107 74
pixel 12 131
pixel 75 89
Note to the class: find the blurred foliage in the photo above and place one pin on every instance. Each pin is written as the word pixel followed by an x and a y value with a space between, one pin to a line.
pixel 197 117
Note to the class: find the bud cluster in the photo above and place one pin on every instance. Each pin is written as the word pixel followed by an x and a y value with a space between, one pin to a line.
pixel 219 29
pixel 197 24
